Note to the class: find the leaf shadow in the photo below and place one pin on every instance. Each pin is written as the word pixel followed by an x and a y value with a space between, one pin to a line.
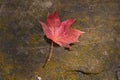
pixel 49 42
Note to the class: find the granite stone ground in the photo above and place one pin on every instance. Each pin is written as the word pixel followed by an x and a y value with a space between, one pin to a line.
pixel 24 49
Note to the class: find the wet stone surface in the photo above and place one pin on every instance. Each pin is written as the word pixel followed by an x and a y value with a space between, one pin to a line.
pixel 24 49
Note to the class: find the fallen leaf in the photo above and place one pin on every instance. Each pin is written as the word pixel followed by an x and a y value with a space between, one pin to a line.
pixel 60 32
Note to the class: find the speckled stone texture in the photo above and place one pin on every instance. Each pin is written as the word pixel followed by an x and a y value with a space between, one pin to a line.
pixel 24 48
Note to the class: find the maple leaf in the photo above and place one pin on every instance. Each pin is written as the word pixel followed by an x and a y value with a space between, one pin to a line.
pixel 60 32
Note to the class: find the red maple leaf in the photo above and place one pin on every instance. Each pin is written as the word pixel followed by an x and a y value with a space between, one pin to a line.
pixel 60 32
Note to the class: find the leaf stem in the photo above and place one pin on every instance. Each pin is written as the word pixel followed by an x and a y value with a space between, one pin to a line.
pixel 51 51
pixel 50 54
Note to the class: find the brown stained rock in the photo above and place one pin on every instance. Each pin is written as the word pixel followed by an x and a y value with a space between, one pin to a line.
pixel 23 47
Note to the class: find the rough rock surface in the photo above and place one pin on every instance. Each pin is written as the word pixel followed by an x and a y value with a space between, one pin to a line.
pixel 24 49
